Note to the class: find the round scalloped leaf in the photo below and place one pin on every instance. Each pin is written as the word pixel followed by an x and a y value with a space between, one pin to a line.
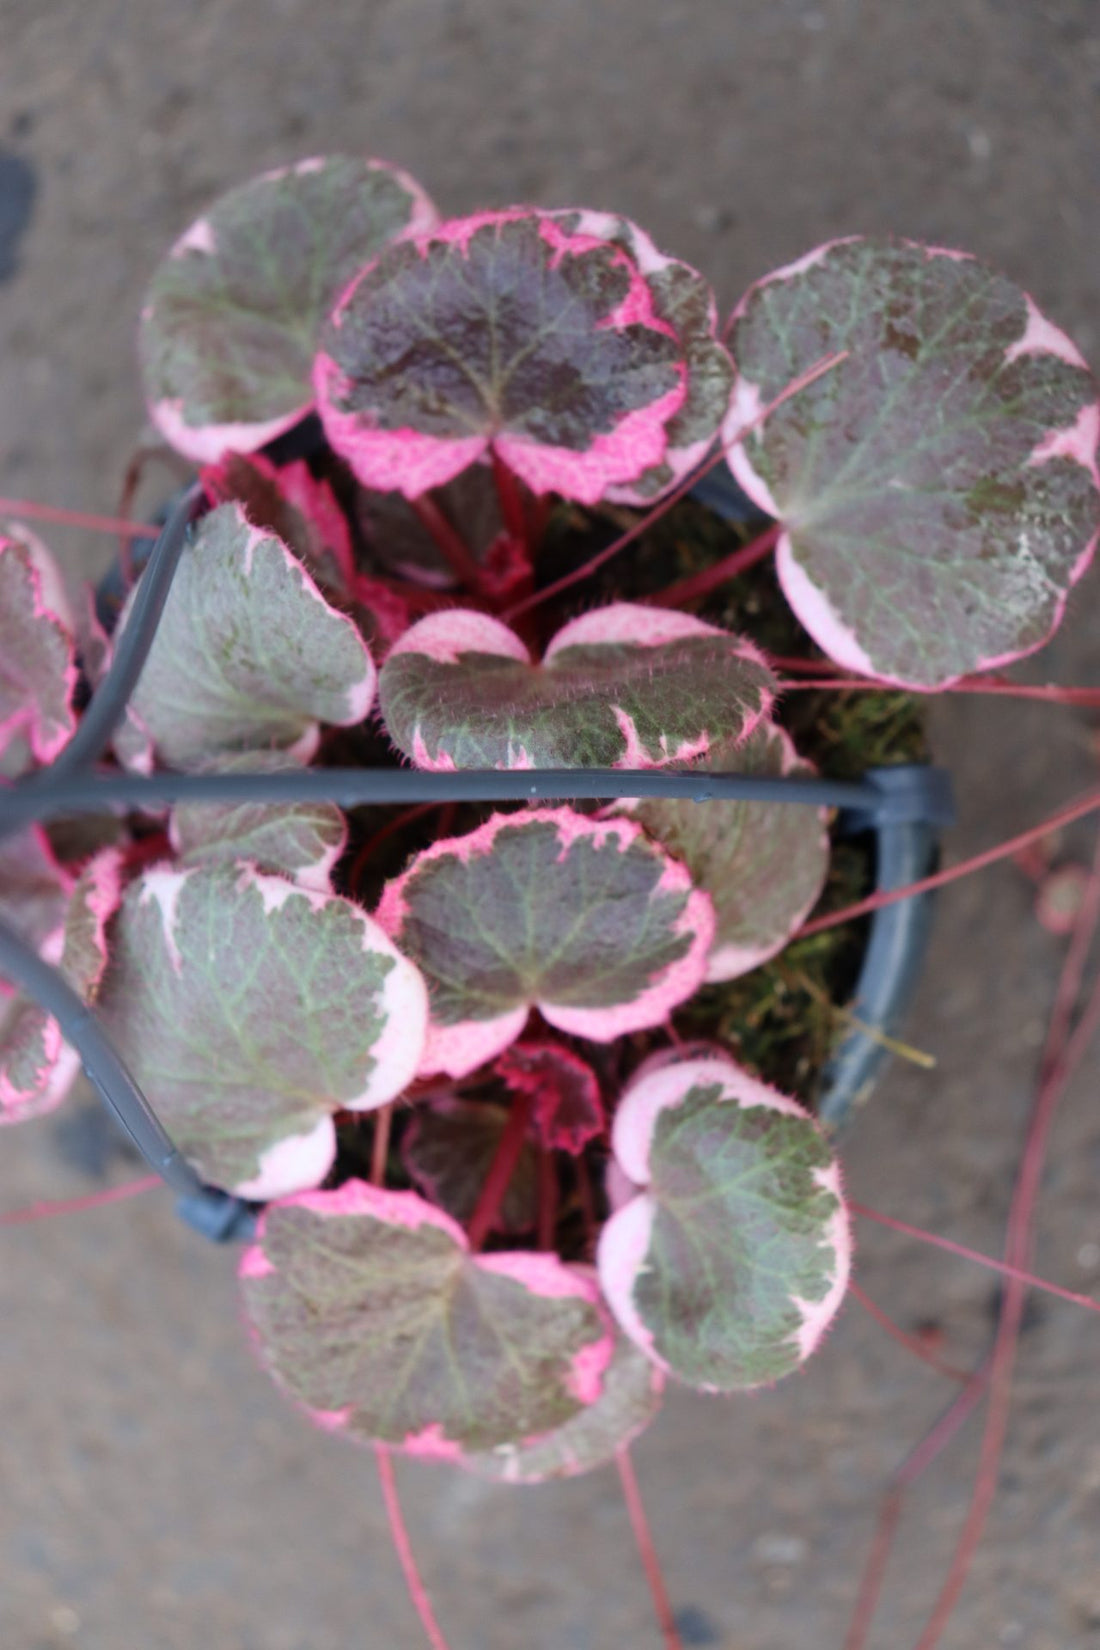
pixel 587 920
pixel 503 331
pixel 302 841
pixel 631 1397
pixel 624 686
pixel 368 1308
pixel 683 299
pixel 938 489
pixel 448 1148
pixel 233 313
pixel 762 863
pixel 37 668
pixel 729 1264
pixel 566 1108
pixel 250 1011
pixel 247 655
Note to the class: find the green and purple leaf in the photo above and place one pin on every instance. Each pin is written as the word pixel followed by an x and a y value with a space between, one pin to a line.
pixel 631 1397
pixel 623 686
pixel 302 841
pixel 938 488
pixel 369 1310
pixel 233 313
pixel 448 1148
pixel 728 1265
pixel 587 920
pixel 683 299
pixel 401 544
pixel 503 332
pixel 762 863
pixel 566 1109
pixel 250 1010
pixel 248 655
pixel 37 664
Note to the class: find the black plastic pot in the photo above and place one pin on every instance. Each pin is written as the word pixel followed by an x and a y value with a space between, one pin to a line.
pixel 904 807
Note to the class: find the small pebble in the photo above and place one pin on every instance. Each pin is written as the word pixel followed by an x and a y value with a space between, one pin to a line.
pixel 64 1619
pixel 779 1549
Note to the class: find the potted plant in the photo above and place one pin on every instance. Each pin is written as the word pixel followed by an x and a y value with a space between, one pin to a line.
pixel 512 1090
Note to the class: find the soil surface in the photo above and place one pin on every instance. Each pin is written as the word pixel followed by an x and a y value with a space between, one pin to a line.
pixel 156 1490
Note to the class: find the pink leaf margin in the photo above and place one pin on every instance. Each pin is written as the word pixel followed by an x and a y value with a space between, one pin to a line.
pixel 810 604
pixel 624 1242
pixel 50 606
pixel 458 1050
pixel 408 461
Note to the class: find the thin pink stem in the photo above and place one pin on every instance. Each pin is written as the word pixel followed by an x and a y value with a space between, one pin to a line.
pixel 903 1338
pixel 454 547
pixel 500 1172
pixel 709 578
pixel 961 1249
pixel 380 1145
pixel 1061 1057
pixel 74 1205
pixel 646 1550
pixel 77 518
pixel 826 364
pixel 418 1593
pixel 511 500
pixel 1009 690
pixel 1074 810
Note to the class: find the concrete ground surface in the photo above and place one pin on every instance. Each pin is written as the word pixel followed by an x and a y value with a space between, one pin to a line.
pixel 156 1492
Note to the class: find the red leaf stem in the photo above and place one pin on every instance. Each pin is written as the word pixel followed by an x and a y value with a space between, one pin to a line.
pixel 511 500
pixel 450 542
pixel 807 378
pixel 74 1205
pixel 708 578
pixel 903 1338
pixel 1086 804
pixel 647 1551
pixel 399 823
pixel 418 1593
pixel 501 1170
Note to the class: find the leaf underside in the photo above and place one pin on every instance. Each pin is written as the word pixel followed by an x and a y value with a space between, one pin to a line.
pixel 937 488
pixel 381 1323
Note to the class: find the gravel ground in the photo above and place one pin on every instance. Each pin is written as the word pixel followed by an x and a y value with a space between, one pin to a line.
pixel 156 1491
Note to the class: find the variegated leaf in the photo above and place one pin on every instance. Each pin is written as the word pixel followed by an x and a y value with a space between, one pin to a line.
pixel 250 1010
pixel 729 1264
pixel 503 331
pixel 683 299
pixel 291 505
pixel 37 666
pixel 631 1397
pixel 368 1309
pixel 938 488
pixel 232 315
pixel 589 920
pixel 762 863
pixel 448 1148
pixel 247 655
pixel 623 686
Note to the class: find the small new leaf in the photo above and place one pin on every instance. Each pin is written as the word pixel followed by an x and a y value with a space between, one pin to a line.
pixel 448 1148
